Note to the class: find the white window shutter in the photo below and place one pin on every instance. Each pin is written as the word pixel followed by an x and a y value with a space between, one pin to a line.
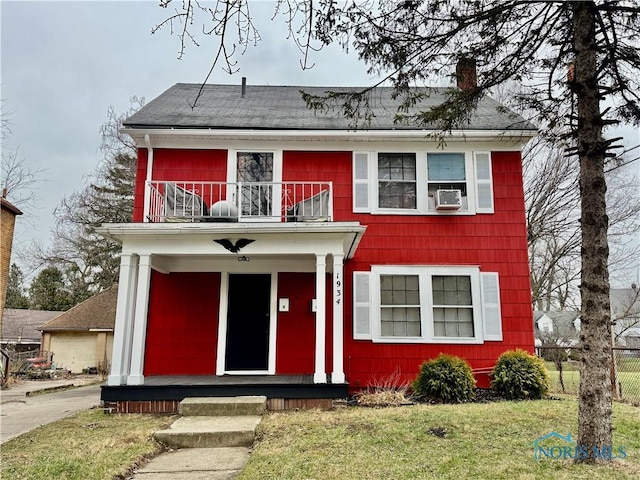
pixel 361 182
pixel 484 182
pixel 361 306
pixel 491 317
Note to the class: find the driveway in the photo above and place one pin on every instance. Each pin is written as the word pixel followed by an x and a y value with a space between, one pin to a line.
pixel 20 413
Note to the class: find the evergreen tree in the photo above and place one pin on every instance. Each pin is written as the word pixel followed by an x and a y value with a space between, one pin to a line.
pixel 90 262
pixel 48 292
pixel 16 297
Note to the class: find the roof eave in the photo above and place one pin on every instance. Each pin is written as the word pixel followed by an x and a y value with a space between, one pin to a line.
pixel 139 132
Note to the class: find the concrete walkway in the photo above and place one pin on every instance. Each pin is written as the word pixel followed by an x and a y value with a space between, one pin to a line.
pixel 212 439
pixel 196 464
pixel 22 410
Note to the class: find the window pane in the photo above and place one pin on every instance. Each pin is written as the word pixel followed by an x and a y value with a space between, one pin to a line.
pixel 413 297
pixel 399 282
pixel 387 329
pixel 451 290
pixel 399 297
pixel 445 166
pixel 413 329
pixel 453 322
pixel 399 329
pixel 396 180
pixel 399 307
pixel 386 282
pixel 466 330
pixel 413 315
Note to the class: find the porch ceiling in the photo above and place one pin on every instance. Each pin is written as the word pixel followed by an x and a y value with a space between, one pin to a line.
pixel 189 246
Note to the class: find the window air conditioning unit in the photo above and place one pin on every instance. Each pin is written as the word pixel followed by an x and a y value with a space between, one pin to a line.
pixel 448 199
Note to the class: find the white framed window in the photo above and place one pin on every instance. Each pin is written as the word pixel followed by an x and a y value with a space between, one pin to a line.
pixel 422 183
pixel 427 304
pixel 258 176
pixel 397 183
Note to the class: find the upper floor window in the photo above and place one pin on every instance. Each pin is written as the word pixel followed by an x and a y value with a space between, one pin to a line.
pixel 422 182
pixel 397 180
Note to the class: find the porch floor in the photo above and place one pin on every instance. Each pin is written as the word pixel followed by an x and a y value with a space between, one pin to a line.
pixel 179 387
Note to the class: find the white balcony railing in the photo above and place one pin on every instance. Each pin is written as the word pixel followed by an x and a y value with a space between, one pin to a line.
pixel 238 202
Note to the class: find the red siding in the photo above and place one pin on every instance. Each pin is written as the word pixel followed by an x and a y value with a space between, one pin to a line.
pixel 495 242
pixel 178 165
pixel 182 325
pixel 190 165
pixel 296 328
pixel 295 351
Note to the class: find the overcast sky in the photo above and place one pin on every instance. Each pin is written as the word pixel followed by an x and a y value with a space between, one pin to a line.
pixel 64 63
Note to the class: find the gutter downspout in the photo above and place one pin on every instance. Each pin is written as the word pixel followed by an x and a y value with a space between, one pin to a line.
pixel 147 183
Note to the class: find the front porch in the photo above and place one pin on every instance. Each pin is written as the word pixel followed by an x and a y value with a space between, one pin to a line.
pixel 182 303
pixel 162 394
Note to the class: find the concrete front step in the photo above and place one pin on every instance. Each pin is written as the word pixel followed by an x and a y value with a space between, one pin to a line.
pixel 224 406
pixel 210 432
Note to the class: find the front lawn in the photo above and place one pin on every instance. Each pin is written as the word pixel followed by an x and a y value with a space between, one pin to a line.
pixel 89 445
pixel 480 441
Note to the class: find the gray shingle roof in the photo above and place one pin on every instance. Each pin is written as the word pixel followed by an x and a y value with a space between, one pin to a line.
pixel 23 324
pixel 282 107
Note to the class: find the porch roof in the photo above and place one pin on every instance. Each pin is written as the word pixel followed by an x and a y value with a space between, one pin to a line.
pixel 269 239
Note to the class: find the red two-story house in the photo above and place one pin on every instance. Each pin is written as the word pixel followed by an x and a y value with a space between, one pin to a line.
pixel 281 252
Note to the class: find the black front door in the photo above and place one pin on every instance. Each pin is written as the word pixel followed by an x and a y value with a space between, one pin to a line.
pixel 248 322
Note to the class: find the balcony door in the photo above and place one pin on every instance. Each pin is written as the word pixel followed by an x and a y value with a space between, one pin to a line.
pixel 258 195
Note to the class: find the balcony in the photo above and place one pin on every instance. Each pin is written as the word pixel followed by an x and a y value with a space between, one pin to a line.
pixel 238 202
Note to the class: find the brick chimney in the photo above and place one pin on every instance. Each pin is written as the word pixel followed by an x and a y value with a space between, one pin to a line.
pixel 466 74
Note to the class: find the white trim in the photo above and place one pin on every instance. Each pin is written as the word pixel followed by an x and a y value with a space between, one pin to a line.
pixel 425 274
pixel 423 206
pixel 521 136
pixel 491 313
pixel 223 310
pixel 276 181
pixel 221 353
pixel 361 183
pixel 337 376
pixel 361 324
pixel 320 369
pixel 136 376
pixel 149 178
pixel 477 158
pixel 123 329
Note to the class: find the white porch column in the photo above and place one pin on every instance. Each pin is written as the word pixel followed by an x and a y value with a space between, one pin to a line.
pixel 337 376
pixel 123 329
pixel 320 375
pixel 140 322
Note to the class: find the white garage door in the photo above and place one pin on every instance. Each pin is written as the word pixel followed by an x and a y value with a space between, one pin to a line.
pixel 74 351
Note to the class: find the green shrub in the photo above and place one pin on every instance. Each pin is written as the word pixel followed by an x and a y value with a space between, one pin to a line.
pixel 447 378
pixel 520 376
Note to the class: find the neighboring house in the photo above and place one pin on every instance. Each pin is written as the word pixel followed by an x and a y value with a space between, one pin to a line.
pixel 625 312
pixel 82 337
pixel 278 251
pixel 20 329
pixel 561 328
pixel 8 214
